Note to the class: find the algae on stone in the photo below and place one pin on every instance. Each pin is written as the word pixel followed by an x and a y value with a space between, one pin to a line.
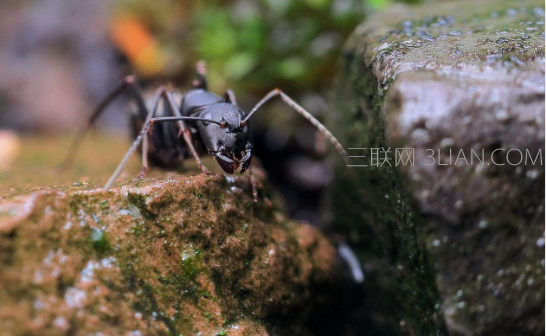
pixel 456 245
pixel 172 255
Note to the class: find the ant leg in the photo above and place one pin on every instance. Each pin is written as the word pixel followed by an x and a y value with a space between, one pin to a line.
pixel 201 81
pixel 229 96
pixel 130 152
pixel 127 82
pixel 187 138
pixel 185 132
pixel 290 102
pixel 145 140
pixel 139 138
pixel 253 184
pixel 143 136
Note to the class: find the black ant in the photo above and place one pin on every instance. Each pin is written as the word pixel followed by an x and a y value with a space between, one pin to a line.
pixel 208 124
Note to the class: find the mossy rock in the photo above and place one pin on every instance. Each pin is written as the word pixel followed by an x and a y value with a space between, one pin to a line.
pixel 169 255
pixel 454 248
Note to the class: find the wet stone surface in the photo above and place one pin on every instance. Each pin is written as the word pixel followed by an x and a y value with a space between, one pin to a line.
pixel 170 255
pixel 450 246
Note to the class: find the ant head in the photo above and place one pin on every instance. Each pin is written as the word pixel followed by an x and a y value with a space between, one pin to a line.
pixel 231 143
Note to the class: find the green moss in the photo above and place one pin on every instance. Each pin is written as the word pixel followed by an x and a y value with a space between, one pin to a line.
pixel 139 201
pixel 376 214
pixel 161 255
pixel 196 193
pixel 99 241
pixel 370 204
pixel 191 262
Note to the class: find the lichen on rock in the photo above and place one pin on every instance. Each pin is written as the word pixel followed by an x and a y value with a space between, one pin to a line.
pixel 168 256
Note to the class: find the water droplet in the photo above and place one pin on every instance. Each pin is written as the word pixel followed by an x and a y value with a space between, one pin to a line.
pixel 125 212
pixel 74 297
pixel 532 174
pixel 502 115
pixel 61 323
pixel 447 142
pixel 108 262
pixel 383 46
pixel 88 271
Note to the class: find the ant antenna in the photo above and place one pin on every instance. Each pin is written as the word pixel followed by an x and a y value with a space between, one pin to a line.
pixel 290 102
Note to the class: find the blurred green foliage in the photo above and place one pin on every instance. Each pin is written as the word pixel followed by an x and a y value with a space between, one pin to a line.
pixel 285 43
pixel 254 46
